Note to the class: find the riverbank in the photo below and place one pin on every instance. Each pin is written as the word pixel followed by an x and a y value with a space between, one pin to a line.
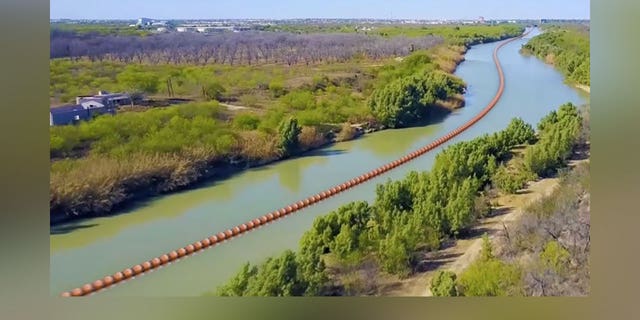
pixel 584 88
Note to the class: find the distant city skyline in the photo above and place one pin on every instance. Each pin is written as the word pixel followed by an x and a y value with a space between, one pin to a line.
pixel 328 9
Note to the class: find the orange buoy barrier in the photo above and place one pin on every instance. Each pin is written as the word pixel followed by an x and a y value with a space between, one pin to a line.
pixel 237 230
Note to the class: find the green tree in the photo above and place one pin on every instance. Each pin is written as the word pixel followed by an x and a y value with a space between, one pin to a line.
pixel 406 100
pixel 443 284
pixel 277 89
pixel 237 286
pixel 486 253
pixel 490 278
pixel 213 90
pixel 555 257
pixel 520 132
pixel 393 255
pixel 289 130
pixel 246 121
pixel 277 277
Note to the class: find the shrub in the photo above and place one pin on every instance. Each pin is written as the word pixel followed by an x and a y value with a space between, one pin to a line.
pixel 443 284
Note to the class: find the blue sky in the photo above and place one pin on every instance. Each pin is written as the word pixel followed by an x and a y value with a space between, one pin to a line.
pixel 283 9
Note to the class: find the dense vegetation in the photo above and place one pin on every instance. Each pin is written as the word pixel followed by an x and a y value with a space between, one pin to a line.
pixel 410 216
pixel 566 48
pixel 546 253
pixel 406 93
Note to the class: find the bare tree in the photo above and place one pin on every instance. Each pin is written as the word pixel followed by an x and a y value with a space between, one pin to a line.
pixel 233 48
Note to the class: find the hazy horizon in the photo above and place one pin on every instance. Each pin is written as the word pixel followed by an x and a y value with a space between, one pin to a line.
pixel 316 9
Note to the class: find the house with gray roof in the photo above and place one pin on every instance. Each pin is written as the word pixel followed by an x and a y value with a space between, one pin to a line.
pixel 87 107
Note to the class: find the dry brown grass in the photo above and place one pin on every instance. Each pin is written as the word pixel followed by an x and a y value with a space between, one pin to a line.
pixel 96 184
pixel 448 58
pixel 311 137
pixel 256 145
pixel 347 132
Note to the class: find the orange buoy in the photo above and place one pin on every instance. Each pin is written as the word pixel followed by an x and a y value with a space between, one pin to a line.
pixel 108 280
pixel 221 236
pixel 228 233
pixel 197 245
pixel 146 265
pixel 118 276
pixel 173 255
pixel 243 227
pixel 257 222
pixel 205 242
pixel 306 201
pixel 235 230
pixel 289 209
pixel 323 195
pixel 277 214
pixel 213 239
pixel 137 269
pixel 87 288
pixel 182 252
pixel 164 259
pixel 283 211
pixel 263 219
pixel 98 284
pixel 301 204
pixel 189 249
pixel 250 225
pixel 128 273
pixel 76 292
pixel 295 206
pixel 269 216
pixel 66 294
pixel 155 262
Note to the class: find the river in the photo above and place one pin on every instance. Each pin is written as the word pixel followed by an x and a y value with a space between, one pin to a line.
pixel 86 250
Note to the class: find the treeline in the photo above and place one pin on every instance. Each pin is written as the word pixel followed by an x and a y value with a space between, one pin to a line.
pixel 546 252
pixel 566 48
pixel 233 48
pixel 254 47
pixel 408 217
pixel 452 34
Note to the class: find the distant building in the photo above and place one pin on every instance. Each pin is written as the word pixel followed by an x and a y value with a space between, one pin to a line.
pixel 144 22
pixel 87 107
